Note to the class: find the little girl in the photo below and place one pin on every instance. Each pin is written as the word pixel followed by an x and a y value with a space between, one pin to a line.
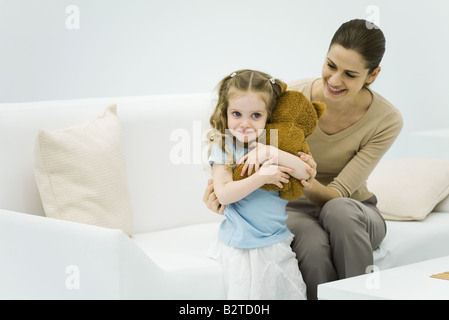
pixel 253 242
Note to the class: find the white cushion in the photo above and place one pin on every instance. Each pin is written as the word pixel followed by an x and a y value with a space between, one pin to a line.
pixel 409 189
pixel 81 174
pixel 413 241
pixel 182 254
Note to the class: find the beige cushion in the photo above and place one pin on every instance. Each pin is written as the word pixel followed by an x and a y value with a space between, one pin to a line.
pixel 443 206
pixel 409 189
pixel 81 175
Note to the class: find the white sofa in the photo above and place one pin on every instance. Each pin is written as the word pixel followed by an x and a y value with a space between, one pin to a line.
pixel 166 257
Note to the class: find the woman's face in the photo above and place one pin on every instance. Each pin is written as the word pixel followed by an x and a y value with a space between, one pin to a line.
pixel 344 73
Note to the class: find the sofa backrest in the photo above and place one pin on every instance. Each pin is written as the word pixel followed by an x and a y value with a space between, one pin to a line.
pixel 164 146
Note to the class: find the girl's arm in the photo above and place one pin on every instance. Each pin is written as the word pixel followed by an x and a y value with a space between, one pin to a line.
pixel 286 159
pixel 229 191
pixel 305 171
pixel 292 161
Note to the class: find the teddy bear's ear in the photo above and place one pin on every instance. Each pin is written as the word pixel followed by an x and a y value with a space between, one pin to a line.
pixel 319 107
pixel 284 87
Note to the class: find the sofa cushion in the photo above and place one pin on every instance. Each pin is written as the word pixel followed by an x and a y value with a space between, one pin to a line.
pixel 182 254
pixel 443 206
pixel 81 174
pixel 409 242
pixel 409 189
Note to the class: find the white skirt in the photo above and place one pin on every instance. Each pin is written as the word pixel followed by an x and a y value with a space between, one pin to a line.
pixel 265 273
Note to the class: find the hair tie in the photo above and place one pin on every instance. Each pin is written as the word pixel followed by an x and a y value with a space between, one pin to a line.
pixel 233 75
pixel 273 81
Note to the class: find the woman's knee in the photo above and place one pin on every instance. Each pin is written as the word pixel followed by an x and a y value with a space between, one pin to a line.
pixel 340 213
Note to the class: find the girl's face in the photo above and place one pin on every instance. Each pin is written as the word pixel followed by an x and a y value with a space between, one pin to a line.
pixel 344 73
pixel 247 115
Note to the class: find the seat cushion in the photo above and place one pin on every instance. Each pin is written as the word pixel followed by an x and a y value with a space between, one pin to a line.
pixel 408 242
pixel 182 254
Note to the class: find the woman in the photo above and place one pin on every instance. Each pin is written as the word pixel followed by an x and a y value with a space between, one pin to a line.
pixel 337 224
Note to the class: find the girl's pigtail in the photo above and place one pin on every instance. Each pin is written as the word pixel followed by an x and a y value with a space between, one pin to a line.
pixel 279 87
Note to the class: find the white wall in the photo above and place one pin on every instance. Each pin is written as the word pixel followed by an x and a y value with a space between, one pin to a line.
pixel 142 47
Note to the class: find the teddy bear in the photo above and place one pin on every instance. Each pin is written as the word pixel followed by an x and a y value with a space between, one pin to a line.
pixel 294 119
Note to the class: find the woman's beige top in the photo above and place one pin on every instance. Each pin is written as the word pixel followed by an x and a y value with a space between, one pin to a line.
pixel 346 159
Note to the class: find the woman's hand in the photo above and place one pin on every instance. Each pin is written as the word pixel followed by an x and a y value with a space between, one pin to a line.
pixel 211 200
pixel 313 189
pixel 307 158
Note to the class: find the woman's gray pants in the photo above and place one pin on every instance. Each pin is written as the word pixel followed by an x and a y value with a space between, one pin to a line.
pixel 335 241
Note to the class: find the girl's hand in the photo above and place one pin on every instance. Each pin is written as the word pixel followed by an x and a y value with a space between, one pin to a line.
pixel 307 158
pixel 211 200
pixel 255 157
pixel 274 174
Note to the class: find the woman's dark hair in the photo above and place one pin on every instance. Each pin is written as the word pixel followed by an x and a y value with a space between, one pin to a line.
pixel 363 37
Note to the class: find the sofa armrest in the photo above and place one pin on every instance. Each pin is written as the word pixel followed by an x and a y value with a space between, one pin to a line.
pixel 44 258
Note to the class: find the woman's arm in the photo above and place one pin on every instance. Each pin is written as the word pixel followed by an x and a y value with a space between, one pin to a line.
pixel 229 191
pixel 211 200
pixel 315 191
pixel 318 193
